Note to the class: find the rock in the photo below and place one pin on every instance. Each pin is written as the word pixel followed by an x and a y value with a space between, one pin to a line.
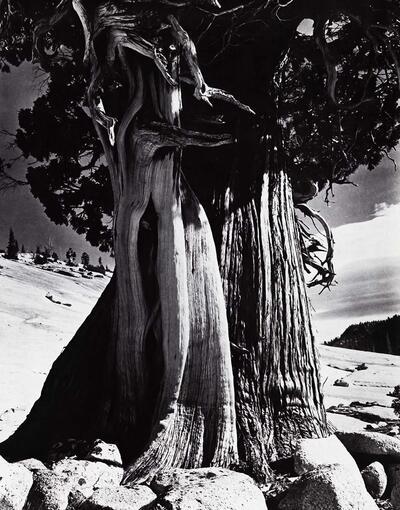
pixel 76 499
pixel 207 489
pixel 341 382
pixel 15 482
pixel 312 453
pixel 376 426
pixel 328 488
pixel 375 479
pixel 371 443
pixel 119 498
pixel 49 491
pixel 32 464
pixel 87 475
pixel 105 452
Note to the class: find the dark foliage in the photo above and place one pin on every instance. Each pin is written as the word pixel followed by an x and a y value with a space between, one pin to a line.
pixel 396 401
pixel 85 259
pixel 71 257
pixel 376 336
pixel 12 247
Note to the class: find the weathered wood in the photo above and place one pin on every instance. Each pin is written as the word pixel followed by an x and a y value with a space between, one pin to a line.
pixel 278 394
pixel 151 368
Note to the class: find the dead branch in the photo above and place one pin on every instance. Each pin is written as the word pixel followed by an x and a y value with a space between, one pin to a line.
pixel 8 182
pixel 43 26
pixel 202 91
pixel 87 32
pixel 159 134
pixel 325 272
pixel 331 69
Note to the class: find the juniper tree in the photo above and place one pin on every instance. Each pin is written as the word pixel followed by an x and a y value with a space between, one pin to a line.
pixel 213 122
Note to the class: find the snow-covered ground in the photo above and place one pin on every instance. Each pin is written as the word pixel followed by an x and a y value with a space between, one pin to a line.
pixel 34 329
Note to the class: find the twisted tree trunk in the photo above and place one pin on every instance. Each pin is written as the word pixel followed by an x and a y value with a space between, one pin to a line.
pixel 151 368
pixel 165 392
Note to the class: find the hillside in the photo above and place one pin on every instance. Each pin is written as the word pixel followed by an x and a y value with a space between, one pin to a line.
pixel 34 329
pixel 376 336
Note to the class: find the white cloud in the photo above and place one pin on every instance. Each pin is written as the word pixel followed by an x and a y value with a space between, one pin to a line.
pixel 367 263
pixel 380 209
pixel 373 239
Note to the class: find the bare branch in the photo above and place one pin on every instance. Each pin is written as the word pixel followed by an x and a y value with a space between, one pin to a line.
pixel 202 91
pixel 330 66
pixel 145 48
pixel 84 19
pixel 325 272
pixel 166 135
pixel 8 182
pixel 45 25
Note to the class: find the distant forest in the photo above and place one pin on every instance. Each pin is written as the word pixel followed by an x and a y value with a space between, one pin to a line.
pixel 375 336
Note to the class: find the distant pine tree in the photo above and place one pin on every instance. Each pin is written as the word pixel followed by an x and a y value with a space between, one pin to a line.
pixel 70 256
pixel 85 259
pixel 12 247
pixel 23 249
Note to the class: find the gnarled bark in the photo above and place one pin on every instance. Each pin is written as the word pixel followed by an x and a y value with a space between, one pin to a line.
pixel 278 393
pixel 151 368
pixel 165 394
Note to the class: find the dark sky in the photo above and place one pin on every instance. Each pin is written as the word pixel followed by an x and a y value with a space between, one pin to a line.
pixel 365 221
pixel 18 209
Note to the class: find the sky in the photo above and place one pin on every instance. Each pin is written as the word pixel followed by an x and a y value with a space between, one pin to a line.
pixel 19 209
pixel 365 221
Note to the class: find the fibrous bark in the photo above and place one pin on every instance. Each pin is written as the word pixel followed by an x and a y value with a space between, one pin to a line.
pixel 166 395
pixel 278 393
pixel 151 368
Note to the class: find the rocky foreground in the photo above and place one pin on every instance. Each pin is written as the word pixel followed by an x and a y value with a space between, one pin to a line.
pixel 346 471
pixel 41 308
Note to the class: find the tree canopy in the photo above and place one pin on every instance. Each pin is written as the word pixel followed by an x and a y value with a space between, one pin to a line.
pixel 337 91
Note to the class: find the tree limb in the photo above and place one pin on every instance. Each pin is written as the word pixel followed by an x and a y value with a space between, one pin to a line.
pixel 166 135
pixel 325 272
pixel 44 25
pixel 87 33
pixel 202 91
pixel 8 182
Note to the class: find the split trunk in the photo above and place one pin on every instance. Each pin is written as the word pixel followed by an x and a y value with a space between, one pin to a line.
pixel 200 350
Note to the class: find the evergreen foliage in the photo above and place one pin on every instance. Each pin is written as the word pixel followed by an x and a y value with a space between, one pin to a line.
pixel 85 259
pixel 12 247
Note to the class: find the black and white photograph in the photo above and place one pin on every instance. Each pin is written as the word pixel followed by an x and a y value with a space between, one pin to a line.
pixel 199 255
